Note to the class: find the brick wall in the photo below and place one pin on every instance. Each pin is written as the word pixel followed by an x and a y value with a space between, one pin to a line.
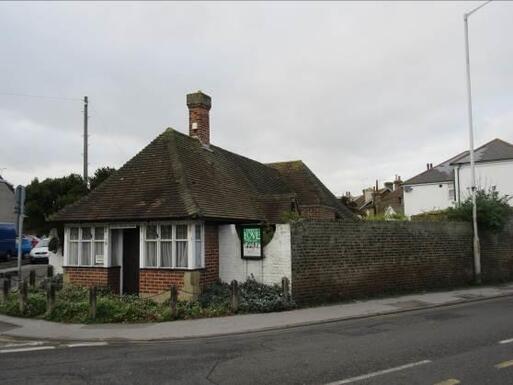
pixel 497 255
pixel 211 272
pixel 94 276
pixel 154 281
pixel 337 260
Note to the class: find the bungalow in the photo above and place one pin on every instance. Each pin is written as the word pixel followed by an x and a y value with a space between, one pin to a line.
pixel 449 183
pixel 177 212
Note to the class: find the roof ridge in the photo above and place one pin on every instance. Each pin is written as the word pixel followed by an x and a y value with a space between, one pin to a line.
pixel 179 174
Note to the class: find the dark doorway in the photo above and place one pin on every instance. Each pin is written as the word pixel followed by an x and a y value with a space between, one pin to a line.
pixel 131 261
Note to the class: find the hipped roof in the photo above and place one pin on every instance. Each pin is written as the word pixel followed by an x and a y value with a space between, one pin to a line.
pixel 176 176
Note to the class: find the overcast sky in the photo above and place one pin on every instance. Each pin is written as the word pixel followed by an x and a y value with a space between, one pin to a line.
pixel 358 91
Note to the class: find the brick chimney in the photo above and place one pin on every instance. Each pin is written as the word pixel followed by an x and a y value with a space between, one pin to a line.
pixel 199 126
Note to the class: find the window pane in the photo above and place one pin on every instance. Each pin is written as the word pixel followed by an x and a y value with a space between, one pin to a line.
pixel 166 249
pixel 181 231
pixel 86 233
pixel 73 233
pixel 86 253
pixel 166 232
pixel 197 254
pixel 181 253
pixel 151 232
pixel 197 234
pixel 98 233
pixel 73 252
pixel 98 253
pixel 151 254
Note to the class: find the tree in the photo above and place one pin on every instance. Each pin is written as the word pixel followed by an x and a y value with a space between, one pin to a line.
pixel 493 211
pixel 100 175
pixel 49 196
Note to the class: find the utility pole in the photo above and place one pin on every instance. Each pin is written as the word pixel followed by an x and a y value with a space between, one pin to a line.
pixel 477 247
pixel 86 102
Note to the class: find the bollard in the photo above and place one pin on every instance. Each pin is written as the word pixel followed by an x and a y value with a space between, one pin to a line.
pixel 234 296
pixel 49 271
pixel 92 302
pixel 50 298
pixel 22 296
pixel 173 299
pixel 285 287
pixel 32 278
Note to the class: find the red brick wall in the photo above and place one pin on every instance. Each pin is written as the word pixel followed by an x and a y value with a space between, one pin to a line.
pixel 154 281
pixel 317 212
pixel 210 274
pixel 94 276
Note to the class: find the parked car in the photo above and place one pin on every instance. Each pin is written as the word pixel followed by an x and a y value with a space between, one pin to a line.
pixel 33 239
pixel 7 240
pixel 26 246
pixel 40 253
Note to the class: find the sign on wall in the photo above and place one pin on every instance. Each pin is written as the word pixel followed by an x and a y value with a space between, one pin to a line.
pixel 251 242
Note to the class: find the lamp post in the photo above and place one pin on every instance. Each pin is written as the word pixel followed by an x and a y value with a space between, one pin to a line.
pixel 477 247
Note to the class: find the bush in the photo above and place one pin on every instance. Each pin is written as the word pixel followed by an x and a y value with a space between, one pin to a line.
pixel 256 297
pixel 493 212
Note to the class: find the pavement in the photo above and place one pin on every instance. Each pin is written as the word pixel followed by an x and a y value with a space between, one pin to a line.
pixel 242 324
pixel 469 343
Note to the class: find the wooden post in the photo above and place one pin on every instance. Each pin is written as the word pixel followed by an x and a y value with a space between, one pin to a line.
pixel 50 298
pixel 5 289
pixel 173 300
pixel 49 271
pixel 32 278
pixel 92 302
pixel 234 297
pixel 285 287
pixel 22 296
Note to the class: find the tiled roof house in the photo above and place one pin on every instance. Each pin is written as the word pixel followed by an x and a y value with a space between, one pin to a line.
pixel 155 222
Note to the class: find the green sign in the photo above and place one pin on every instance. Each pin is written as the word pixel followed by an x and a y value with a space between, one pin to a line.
pixel 251 242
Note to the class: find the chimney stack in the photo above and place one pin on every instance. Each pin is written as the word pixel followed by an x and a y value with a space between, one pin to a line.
pixel 199 125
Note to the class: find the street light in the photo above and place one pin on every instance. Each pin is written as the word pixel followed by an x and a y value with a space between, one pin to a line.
pixel 477 248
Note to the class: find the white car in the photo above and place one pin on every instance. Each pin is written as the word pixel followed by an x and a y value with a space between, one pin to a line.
pixel 40 253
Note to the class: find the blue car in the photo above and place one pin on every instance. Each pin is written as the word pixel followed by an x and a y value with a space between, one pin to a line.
pixel 7 240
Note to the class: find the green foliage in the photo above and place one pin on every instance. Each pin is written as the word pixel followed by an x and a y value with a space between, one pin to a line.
pixel 49 196
pixel 493 211
pixel 290 216
pixel 72 304
pixel 99 176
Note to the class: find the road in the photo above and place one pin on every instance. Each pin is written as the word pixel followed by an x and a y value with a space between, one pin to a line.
pixel 467 344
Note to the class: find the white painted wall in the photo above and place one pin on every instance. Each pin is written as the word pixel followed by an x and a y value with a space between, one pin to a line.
pixel 488 174
pixel 275 265
pixel 56 260
pixel 427 197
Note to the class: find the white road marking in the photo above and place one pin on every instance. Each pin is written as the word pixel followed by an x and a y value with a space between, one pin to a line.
pixel 379 373
pixel 450 381
pixel 26 349
pixel 33 343
pixel 82 344
pixel 506 341
pixel 505 364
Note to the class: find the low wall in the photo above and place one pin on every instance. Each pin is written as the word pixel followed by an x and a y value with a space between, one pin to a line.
pixel 275 265
pixel 93 276
pixel 339 260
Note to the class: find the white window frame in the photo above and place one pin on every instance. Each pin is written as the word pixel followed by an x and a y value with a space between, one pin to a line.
pixel 92 242
pixel 191 244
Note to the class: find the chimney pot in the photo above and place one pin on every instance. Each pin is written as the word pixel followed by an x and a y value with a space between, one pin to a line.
pixel 199 105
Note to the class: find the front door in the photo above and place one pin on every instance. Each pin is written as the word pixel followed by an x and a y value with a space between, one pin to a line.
pixel 131 261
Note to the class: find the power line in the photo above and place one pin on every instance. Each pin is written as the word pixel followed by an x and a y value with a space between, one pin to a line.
pixel 40 96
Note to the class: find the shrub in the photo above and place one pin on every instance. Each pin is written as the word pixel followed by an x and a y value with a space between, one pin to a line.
pixel 259 298
pixel 493 211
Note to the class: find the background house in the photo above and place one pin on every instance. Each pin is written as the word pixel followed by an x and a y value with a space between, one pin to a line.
pixel 448 183
pixel 7 202
pixel 376 201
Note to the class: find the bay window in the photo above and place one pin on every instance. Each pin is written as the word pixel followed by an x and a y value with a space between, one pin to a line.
pixel 177 246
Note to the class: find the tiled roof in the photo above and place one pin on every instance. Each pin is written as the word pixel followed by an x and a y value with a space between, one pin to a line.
pixel 175 176
pixel 441 173
pixel 496 149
